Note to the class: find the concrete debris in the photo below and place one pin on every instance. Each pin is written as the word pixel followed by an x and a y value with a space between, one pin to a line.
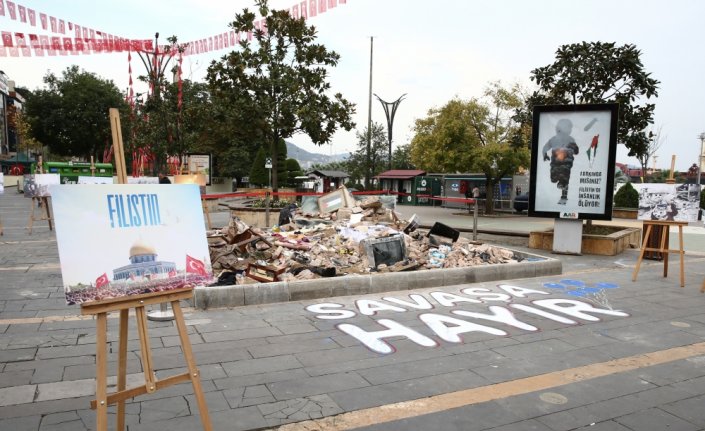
pixel 361 239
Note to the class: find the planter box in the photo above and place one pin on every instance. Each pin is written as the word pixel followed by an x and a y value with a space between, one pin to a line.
pixel 606 245
pixel 628 213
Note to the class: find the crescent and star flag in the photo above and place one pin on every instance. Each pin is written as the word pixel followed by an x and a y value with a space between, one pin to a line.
pixel 101 281
pixel 195 266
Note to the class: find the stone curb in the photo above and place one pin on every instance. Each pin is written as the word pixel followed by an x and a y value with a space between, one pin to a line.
pixel 267 293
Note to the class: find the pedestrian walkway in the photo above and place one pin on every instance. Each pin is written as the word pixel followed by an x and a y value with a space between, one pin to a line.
pixel 588 349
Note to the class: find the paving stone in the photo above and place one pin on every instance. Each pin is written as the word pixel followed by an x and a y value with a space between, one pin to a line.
pixel 267 331
pixel 248 396
pixel 689 409
pixel 257 379
pixel 604 426
pixel 655 420
pixel 16 378
pixel 26 423
pixel 17 355
pixel 260 365
pixel 298 409
pixel 17 395
pixel 278 349
pixel 164 409
pixel 66 389
pixel 300 388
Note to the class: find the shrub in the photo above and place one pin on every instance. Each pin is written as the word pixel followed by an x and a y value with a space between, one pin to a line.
pixel 702 198
pixel 626 197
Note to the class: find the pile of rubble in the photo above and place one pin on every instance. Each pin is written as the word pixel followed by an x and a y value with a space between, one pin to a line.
pixel 349 237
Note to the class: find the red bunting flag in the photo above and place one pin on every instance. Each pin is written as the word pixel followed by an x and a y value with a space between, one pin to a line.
pixel 102 281
pixel 303 7
pixel 22 44
pixel 43 20
pixel 34 42
pixel 312 9
pixel 23 13
pixel 322 6
pixel 52 21
pixel 11 9
pixel 7 39
pixel 62 26
pixel 32 17
pixel 195 266
pixel 2 7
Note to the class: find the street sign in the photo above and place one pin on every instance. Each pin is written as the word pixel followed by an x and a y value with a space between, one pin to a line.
pixel 268 163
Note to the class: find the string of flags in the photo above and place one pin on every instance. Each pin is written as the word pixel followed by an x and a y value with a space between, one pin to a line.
pixel 69 38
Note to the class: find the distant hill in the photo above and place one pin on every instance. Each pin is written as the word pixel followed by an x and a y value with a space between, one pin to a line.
pixel 307 159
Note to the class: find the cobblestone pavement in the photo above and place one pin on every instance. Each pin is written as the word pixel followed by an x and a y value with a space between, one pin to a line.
pixel 589 349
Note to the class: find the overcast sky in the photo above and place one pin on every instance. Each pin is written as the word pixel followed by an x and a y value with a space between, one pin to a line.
pixel 431 50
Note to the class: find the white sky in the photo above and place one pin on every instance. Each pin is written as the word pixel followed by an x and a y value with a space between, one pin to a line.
pixel 432 50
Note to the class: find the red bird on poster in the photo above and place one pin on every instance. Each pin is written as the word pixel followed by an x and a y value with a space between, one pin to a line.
pixel 195 266
pixel 101 281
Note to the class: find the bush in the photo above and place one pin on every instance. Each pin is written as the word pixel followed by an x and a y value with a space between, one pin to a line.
pixel 702 198
pixel 626 197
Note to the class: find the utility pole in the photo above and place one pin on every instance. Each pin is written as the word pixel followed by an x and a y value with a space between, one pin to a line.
pixel 368 168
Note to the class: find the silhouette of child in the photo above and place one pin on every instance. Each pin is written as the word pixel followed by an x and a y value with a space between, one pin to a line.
pixel 563 149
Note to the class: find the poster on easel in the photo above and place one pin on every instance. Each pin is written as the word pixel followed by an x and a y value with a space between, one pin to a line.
pixel 123 240
pixel 198 179
pixel 668 202
pixel 573 153
pixel 95 180
pixel 37 185
pixel 142 180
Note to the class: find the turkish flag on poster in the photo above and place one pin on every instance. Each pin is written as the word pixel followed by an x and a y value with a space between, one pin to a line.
pixel 195 266
pixel 102 281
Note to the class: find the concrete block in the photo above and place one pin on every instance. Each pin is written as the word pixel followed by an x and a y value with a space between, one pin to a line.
pixel 219 296
pixel 351 285
pixel 265 293
pixel 312 289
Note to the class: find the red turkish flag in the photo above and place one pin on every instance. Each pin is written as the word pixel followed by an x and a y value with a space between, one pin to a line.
pixel 34 41
pixel 2 7
pixel 43 19
pixel 11 10
pixel 22 44
pixel 102 281
pixel 23 13
pixel 195 266
pixel 172 273
pixel 32 17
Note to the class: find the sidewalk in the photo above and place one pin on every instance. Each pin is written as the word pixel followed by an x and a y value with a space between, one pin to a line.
pixel 276 364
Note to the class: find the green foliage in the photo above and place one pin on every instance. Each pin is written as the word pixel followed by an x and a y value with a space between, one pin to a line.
pixel 477 135
pixel 70 115
pixel 278 81
pixel 599 72
pixel 281 162
pixel 357 164
pixel 401 157
pixel 259 175
pixel 293 170
pixel 702 198
pixel 626 197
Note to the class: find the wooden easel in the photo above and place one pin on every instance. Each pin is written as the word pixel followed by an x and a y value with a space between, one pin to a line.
pixel 41 204
pixel 101 309
pixel 103 399
pixel 663 247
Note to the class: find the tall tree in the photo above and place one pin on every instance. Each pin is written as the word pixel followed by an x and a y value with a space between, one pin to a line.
pixel 478 135
pixel 401 158
pixel 280 79
pixel 259 175
pixel 379 146
pixel 70 116
pixel 602 72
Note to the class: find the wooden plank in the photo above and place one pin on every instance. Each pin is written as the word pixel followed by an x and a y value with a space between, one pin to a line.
pixel 122 368
pixel 191 364
pixel 133 301
pixel 145 350
pixel 101 359
pixel 118 150
pixel 117 397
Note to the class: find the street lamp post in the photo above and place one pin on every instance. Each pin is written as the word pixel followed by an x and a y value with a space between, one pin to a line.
pixel 700 156
pixel 390 109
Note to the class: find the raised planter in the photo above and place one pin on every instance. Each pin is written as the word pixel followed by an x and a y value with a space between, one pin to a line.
pixel 607 245
pixel 628 213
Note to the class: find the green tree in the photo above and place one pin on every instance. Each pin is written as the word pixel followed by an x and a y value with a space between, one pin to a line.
pixel 401 157
pixel 477 135
pixel 259 175
pixel 356 165
pixel 601 72
pixel 281 162
pixel 626 197
pixel 293 170
pixel 279 79
pixel 70 116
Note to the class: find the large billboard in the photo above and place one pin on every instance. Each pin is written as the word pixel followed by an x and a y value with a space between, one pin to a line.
pixel 573 161
pixel 119 240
